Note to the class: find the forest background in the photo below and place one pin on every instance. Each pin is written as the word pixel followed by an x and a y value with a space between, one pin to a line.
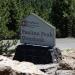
pixel 59 13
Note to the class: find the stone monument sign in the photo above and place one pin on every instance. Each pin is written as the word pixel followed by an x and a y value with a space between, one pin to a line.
pixel 38 41
pixel 36 31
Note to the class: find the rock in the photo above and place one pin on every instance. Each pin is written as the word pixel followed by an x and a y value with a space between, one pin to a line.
pixel 49 69
pixel 5 70
pixel 68 61
pixel 65 72
pixel 56 54
pixel 59 54
pixel 12 67
pixel 26 67
pixel 35 54
pixel 66 65
pixel 69 53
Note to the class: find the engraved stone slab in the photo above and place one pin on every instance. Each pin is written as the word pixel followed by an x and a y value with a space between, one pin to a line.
pixel 36 31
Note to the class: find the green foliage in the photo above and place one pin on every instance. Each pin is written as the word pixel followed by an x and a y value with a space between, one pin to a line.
pixel 62 16
pixel 10 16
pixel 5 45
pixel 58 35
pixel 60 13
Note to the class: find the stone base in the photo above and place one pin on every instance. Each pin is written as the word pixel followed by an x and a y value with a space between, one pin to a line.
pixel 35 54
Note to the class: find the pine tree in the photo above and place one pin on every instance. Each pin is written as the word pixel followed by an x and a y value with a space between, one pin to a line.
pixel 10 16
pixel 61 16
pixel 3 19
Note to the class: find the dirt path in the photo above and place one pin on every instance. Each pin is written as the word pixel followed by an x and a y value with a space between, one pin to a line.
pixel 64 43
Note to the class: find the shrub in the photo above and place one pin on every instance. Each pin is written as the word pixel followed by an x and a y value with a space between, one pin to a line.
pixel 4 47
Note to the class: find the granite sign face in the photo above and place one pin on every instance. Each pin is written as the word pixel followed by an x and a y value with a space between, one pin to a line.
pixel 36 31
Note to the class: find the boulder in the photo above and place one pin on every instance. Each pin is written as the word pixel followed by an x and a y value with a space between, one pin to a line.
pixel 49 69
pixel 5 70
pixel 65 72
pixel 69 53
pixel 12 67
pixel 68 61
pixel 67 64
pixel 34 54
